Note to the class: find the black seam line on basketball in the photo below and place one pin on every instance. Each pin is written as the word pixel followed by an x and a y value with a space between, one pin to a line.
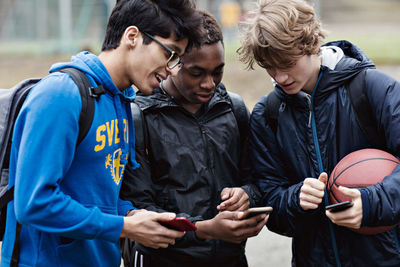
pixel 334 180
pixel 334 196
pixel 328 185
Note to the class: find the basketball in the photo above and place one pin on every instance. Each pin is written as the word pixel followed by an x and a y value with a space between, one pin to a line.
pixel 359 169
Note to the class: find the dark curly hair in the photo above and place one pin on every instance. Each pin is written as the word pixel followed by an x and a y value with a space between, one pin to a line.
pixel 212 32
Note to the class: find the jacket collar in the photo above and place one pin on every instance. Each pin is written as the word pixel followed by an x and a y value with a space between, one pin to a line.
pixel 161 99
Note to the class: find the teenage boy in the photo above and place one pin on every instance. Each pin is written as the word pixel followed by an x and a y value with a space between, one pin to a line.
pixel 315 128
pixel 67 195
pixel 193 160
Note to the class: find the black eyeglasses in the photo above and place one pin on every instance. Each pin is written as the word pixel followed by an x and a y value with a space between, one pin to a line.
pixel 174 59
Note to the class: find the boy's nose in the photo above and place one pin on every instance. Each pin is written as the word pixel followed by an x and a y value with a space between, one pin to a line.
pixel 281 77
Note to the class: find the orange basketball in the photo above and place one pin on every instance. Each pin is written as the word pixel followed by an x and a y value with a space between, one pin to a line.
pixel 359 169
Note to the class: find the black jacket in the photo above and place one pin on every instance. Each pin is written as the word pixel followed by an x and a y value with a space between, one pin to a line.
pixel 190 160
pixel 314 133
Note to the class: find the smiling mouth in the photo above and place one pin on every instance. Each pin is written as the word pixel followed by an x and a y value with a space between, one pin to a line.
pixel 159 78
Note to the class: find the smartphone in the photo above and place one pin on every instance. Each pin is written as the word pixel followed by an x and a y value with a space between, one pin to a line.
pixel 339 206
pixel 180 224
pixel 256 211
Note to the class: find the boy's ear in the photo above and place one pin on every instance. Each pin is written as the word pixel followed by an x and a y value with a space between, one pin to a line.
pixel 130 36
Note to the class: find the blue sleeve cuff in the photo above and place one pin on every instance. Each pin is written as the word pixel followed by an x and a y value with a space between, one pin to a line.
pixel 365 206
pixel 111 227
pixel 124 207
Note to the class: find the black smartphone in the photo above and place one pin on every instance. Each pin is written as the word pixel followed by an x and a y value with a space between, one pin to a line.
pixel 339 206
pixel 255 211
pixel 180 224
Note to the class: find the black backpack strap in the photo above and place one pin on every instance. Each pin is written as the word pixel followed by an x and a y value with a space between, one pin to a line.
pixel 272 110
pixel 362 110
pixel 241 114
pixel 5 198
pixel 17 247
pixel 141 138
pixel 88 93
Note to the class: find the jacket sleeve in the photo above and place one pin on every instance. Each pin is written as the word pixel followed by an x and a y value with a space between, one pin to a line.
pixel 273 176
pixel 137 187
pixel 248 181
pixel 381 202
pixel 44 143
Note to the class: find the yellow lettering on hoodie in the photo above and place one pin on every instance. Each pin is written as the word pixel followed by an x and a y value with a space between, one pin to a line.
pixel 126 130
pixel 110 131
pixel 100 138
pixel 116 132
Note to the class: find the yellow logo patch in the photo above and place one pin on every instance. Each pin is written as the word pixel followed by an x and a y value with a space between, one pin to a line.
pixel 113 163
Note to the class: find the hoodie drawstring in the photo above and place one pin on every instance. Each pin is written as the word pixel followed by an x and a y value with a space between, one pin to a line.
pixel 124 149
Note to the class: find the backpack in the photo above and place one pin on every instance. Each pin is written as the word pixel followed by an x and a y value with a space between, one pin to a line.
pixel 359 101
pixel 11 101
pixel 242 115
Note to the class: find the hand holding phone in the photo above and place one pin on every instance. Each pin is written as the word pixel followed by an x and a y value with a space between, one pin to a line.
pixel 256 211
pixel 180 224
pixel 339 206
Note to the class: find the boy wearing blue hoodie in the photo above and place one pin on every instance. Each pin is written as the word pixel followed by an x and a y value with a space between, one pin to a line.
pixel 66 195
pixel 316 127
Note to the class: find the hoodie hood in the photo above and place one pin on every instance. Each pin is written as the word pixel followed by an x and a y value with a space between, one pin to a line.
pixel 91 65
pixel 97 74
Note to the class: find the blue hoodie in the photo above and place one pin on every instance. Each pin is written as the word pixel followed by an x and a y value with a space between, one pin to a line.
pixel 67 195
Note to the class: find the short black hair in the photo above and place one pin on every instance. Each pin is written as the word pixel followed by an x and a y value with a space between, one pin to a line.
pixel 212 32
pixel 155 17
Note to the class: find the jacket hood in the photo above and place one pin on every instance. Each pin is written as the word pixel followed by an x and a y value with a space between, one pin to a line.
pixel 353 61
pixel 91 65
pixel 159 98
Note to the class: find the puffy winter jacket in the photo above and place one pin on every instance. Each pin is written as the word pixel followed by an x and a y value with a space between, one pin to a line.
pixel 313 133
pixel 190 160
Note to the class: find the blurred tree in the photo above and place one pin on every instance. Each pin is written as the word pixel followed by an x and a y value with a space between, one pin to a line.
pixel 5 9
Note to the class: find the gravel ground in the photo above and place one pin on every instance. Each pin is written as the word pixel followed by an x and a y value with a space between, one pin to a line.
pixel 268 250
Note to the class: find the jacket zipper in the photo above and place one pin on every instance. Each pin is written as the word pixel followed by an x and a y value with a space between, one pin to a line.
pixel 309 110
pixel 204 137
pixel 211 170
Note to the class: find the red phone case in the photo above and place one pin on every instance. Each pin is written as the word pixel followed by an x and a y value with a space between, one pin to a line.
pixel 180 224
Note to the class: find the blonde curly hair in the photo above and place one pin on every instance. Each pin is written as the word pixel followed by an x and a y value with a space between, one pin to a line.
pixel 278 32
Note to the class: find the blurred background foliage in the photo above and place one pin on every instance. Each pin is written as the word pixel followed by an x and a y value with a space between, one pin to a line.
pixel 36 33
pixel 43 27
